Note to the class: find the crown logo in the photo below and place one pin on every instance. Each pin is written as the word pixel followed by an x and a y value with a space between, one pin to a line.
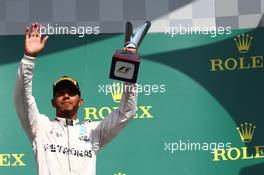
pixel 119 173
pixel 243 42
pixel 246 132
pixel 117 91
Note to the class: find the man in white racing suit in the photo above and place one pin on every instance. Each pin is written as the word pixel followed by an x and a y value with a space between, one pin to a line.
pixel 64 146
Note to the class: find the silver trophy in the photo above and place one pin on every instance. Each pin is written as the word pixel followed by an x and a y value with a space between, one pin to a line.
pixel 125 64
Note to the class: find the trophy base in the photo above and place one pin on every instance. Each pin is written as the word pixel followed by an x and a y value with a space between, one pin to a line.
pixel 125 66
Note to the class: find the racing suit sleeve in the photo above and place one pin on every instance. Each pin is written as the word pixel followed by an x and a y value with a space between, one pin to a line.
pixel 119 118
pixel 25 104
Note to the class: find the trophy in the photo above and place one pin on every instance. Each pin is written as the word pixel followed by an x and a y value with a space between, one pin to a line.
pixel 125 63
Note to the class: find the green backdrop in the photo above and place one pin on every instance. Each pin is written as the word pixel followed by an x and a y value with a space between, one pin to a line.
pixel 195 106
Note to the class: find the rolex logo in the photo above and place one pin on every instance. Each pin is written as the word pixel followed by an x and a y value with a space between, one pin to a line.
pixel 242 62
pixel 243 42
pixel 119 173
pixel 246 132
pixel 117 91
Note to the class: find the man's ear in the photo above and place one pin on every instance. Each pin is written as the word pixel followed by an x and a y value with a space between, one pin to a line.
pixel 80 102
pixel 53 103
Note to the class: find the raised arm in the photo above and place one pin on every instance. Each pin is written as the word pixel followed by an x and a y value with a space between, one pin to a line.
pixel 24 101
pixel 119 118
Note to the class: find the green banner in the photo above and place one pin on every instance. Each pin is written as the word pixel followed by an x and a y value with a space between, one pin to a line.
pixel 199 106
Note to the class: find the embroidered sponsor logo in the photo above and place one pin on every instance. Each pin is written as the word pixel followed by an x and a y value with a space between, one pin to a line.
pixel 84 138
pixel 67 151
pixel 83 130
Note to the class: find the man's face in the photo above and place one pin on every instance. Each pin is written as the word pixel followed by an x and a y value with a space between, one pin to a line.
pixel 66 100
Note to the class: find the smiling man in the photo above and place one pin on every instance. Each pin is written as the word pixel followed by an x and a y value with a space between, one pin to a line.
pixel 64 146
pixel 66 98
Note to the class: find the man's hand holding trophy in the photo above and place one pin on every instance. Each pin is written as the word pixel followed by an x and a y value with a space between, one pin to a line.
pixel 125 63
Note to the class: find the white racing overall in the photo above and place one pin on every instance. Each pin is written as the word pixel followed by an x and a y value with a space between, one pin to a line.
pixel 63 146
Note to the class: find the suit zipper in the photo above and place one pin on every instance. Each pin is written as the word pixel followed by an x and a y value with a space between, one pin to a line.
pixel 68 137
